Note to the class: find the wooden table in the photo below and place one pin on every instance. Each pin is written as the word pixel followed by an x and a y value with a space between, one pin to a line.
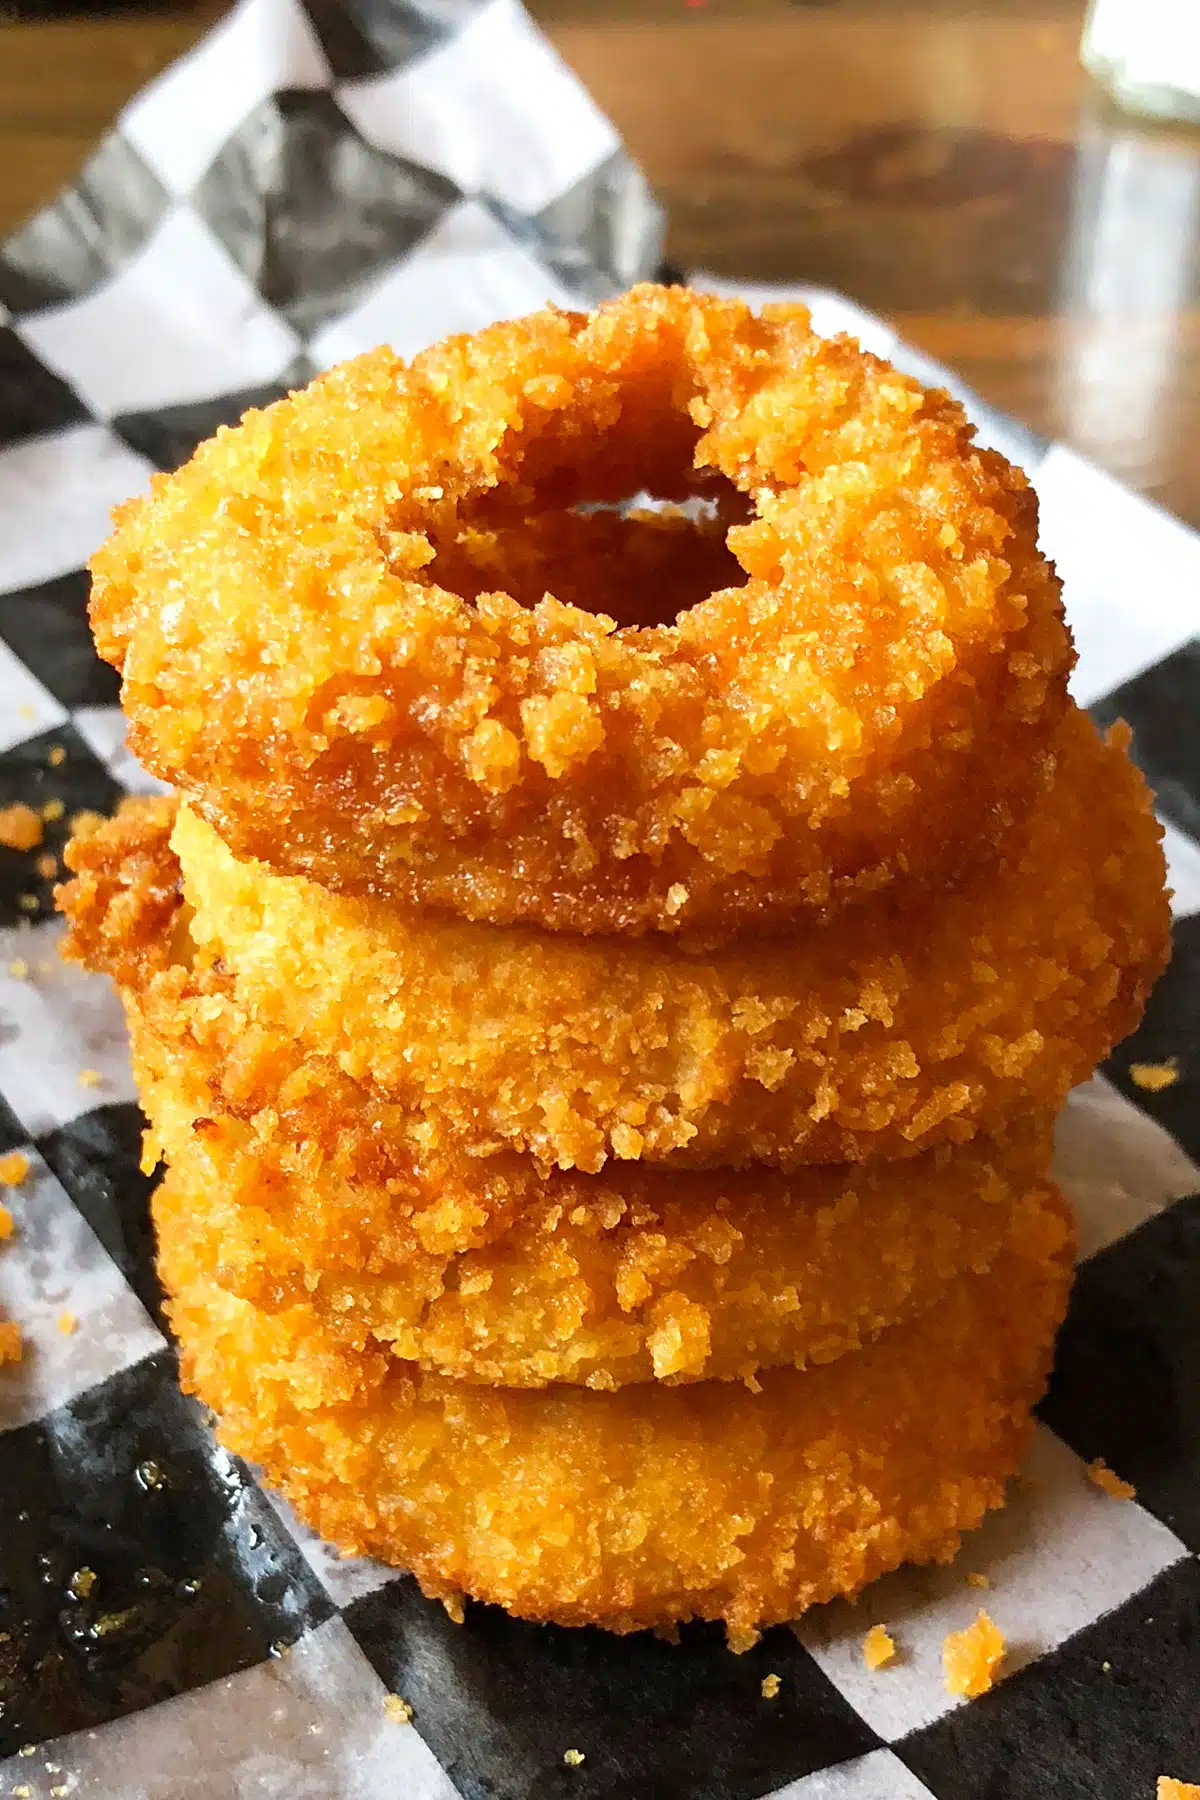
pixel 944 162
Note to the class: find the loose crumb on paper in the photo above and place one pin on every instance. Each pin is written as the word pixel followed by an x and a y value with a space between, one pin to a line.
pixel 879 1647
pixel 13 1168
pixel 6 1224
pixel 573 1758
pixel 397 1709
pixel 1170 1789
pixel 68 1324
pixel 978 1580
pixel 1154 1077
pixel 18 968
pixel 11 1349
pixel 89 1078
pixel 1109 1482
pixel 20 827
pixel 770 1687
pixel 972 1657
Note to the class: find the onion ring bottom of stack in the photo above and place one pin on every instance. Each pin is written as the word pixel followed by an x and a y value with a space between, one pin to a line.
pixel 650 1505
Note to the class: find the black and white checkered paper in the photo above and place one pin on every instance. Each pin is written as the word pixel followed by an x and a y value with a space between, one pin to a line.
pixel 313 179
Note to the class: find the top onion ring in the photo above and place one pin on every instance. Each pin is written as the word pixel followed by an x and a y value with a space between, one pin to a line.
pixel 872 702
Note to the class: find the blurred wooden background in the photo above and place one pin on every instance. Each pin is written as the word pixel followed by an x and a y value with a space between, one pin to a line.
pixel 945 163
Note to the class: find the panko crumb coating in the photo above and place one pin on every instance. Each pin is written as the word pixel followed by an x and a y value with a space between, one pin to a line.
pixel 310 652
pixel 489 1269
pixel 885 1030
pixel 652 1504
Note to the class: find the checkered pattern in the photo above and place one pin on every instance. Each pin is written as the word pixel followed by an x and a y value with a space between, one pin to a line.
pixel 310 180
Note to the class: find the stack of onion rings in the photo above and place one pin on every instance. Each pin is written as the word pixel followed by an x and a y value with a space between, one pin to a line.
pixel 603 983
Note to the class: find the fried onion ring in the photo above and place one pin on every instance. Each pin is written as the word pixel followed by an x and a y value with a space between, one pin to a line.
pixel 883 1031
pixel 487 1269
pixel 308 653
pixel 652 1504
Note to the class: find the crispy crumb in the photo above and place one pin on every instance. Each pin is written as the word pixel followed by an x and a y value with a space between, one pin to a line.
pixel 977 1580
pixel 11 1348
pixel 1106 1667
pixel 18 968
pixel 1109 1482
pixel 6 1223
pixel 89 1078
pixel 47 865
pixel 53 809
pixel 573 1758
pixel 1154 1077
pixel 879 1647
pixel 26 1749
pixel 82 1582
pixel 20 827
pixel 68 1324
pixel 22 1791
pixel 770 1686
pixel 972 1657
pixel 453 1607
pixel 13 1168
pixel 27 902
pixel 1170 1789
pixel 57 757
pixel 397 1709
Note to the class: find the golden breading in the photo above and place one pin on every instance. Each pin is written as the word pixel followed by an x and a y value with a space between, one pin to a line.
pixel 651 1504
pixel 489 1269
pixel 308 651
pixel 884 1031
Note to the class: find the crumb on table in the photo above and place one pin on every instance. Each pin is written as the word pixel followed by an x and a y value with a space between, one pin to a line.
pixel 879 1647
pixel 18 968
pixel 53 810
pixel 770 1687
pixel 1154 1077
pixel 397 1709
pixel 13 1168
pixel 1170 1789
pixel 47 865
pixel 20 827
pixel 57 756
pixel 6 1223
pixel 972 1657
pixel 89 1078
pixel 976 1579
pixel 11 1349
pixel 68 1324
pixel 1109 1482
pixel 573 1758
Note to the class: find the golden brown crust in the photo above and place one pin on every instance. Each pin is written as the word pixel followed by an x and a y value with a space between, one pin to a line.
pixel 652 1504
pixel 488 1269
pixel 124 904
pixel 871 701
pixel 884 1031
